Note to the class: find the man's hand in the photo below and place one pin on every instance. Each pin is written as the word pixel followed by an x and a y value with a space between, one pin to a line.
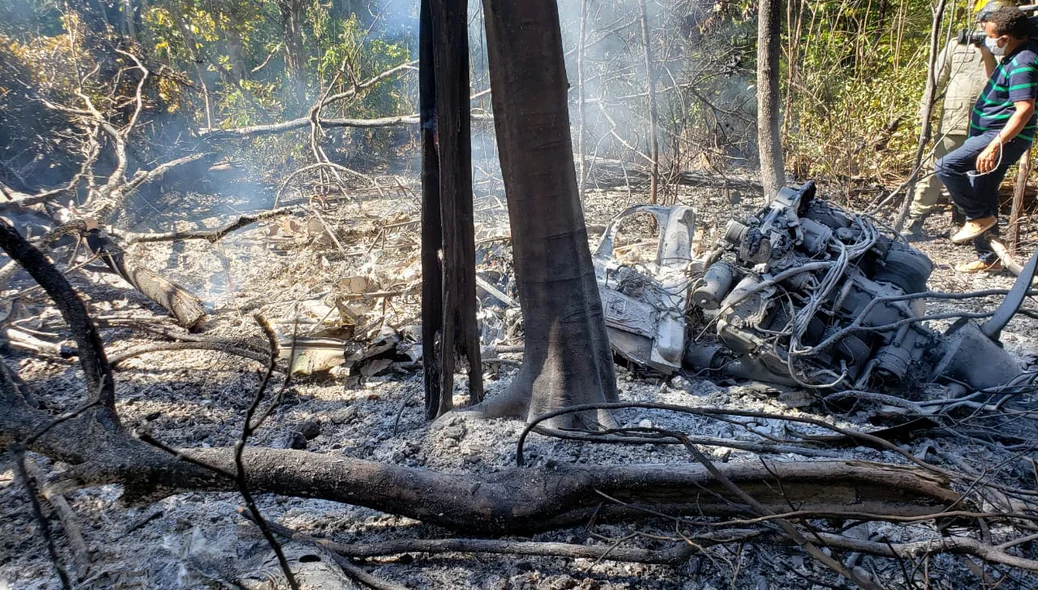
pixel 988 159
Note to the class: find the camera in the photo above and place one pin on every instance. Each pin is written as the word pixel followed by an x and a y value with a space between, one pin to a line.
pixel 976 36
pixel 971 37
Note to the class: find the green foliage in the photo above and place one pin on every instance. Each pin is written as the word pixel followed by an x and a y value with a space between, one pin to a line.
pixel 851 69
pixel 219 63
pixel 856 71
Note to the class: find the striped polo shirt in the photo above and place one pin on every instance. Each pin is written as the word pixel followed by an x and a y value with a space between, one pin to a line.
pixel 1014 79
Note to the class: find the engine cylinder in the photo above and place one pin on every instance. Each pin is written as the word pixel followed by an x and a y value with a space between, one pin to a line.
pixel 717 282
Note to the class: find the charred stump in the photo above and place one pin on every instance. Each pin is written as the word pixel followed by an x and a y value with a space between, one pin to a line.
pixel 449 327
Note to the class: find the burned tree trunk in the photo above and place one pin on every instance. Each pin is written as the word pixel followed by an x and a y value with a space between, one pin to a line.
pixel 448 240
pixel 432 229
pixel 567 359
pixel 295 59
pixel 769 139
pixel 654 143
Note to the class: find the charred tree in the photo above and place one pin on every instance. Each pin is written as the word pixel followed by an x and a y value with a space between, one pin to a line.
pixel 449 322
pixel 769 138
pixel 650 76
pixel 567 359
pixel 432 229
pixel 295 58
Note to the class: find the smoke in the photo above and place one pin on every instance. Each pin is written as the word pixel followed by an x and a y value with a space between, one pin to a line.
pixel 701 85
pixel 395 19
pixel 704 88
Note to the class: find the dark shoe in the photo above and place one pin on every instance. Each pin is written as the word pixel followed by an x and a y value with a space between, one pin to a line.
pixel 914 232
pixel 979 266
pixel 974 228
pixel 958 218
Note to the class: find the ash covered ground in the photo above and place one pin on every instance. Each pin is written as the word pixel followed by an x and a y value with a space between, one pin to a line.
pixel 313 275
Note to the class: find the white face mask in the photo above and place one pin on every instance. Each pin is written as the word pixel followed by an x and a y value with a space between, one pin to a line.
pixel 992 45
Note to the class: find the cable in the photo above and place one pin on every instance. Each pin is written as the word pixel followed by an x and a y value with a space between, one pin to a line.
pixel 998 163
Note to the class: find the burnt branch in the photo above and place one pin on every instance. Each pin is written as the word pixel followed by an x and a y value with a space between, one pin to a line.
pixel 142 177
pixel 67 518
pixel 96 370
pixel 231 348
pixel 845 435
pixel 352 570
pixel 247 429
pixel 210 235
pixel 181 303
pixel 673 556
pixel 41 521
pixel 321 166
pixel 784 525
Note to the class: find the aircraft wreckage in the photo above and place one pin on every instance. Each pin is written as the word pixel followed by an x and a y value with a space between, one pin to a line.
pixel 803 293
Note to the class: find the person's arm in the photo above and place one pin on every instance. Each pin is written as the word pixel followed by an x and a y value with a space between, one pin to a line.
pixel 1023 90
pixel 988 159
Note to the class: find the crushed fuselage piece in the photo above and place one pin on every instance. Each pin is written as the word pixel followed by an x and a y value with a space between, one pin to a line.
pixel 644 304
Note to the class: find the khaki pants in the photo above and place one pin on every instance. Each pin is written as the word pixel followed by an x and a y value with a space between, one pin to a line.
pixel 928 189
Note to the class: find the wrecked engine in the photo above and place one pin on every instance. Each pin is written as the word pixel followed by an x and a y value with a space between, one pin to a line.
pixel 802 294
pixel 791 299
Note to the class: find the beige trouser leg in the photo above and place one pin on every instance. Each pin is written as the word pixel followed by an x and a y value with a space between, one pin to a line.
pixel 928 189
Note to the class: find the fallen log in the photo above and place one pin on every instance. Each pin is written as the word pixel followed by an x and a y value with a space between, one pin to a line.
pixel 510 501
pixel 181 303
pixel 526 500
pixel 185 307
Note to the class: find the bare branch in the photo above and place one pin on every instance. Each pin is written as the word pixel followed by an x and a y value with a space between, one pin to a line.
pixel 224 347
pixel 37 511
pixel 213 235
pixel 352 570
pixel 410 66
pixel 246 430
pixel 92 357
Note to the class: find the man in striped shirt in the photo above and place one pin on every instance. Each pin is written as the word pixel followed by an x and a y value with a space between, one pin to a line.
pixel 1002 127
